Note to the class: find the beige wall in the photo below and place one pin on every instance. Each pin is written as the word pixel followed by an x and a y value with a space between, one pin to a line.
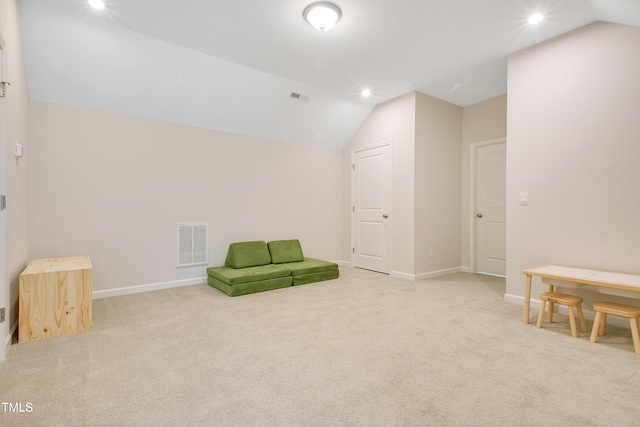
pixel 114 186
pixel 484 121
pixel 437 186
pixel 394 121
pixel 574 145
pixel 16 131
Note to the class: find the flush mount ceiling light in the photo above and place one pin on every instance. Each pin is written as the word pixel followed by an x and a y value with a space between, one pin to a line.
pixel 536 18
pixel 322 15
pixel 98 4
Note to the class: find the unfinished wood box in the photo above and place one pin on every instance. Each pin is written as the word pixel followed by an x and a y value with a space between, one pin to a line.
pixel 55 298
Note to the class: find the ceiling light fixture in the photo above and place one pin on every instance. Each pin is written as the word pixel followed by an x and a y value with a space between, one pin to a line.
pixel 535 18
pixel 366 93
pixel 322 15
pixel 98 4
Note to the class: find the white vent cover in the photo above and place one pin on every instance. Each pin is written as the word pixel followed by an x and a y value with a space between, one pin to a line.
pixel 299 97
pixel 192 244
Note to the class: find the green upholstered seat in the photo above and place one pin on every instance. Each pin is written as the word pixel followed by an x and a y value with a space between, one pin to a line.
pixel 234 276
pixel 250 287
pixel 310 265
pixel 303 279
pixel 312 270
pixel 257 266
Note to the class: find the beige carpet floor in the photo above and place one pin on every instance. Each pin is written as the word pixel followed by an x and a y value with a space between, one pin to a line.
pixel 362 350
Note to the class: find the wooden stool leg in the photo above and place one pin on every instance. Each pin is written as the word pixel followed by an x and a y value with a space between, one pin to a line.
pixel 635 334
pixel 583 324
pixel 550 313
pixel 603 323
pixel 596 326
pixel 572 322
pixel 541 314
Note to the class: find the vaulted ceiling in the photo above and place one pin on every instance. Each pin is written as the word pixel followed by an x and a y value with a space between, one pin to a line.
pixel 232 65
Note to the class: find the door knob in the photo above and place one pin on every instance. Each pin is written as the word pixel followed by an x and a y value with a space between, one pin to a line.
pixel 479 215
pixel 385 216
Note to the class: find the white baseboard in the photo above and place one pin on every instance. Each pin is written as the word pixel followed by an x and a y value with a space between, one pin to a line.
pixel 401 275
pixel 465 269
pixel 146 288
pixel 428 275
pixel 438 273
pixel 12 330
pixel 344 263
pixel 589 314
pixel 519 300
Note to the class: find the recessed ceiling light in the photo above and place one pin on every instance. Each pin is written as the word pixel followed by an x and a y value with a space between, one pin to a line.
pixel 535 18
pixel 322 15
pixel 366 92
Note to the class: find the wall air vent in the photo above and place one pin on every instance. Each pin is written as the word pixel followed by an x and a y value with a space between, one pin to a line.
pixel 192 244
pixel 299 97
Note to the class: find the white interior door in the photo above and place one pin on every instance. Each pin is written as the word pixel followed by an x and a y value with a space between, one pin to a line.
pixel 371 203
pixel 490 220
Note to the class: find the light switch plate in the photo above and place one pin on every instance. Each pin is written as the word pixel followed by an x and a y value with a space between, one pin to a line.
pixel 19 150
pixel 524 198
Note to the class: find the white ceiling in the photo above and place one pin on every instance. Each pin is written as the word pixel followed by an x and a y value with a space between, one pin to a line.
pixel 231 65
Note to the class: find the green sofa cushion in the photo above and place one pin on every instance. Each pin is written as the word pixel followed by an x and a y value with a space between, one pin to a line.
pixel 285 251
pixel 304 279
pixel 251 287
pixel 248 254
pixel 234 276
pixel 310 265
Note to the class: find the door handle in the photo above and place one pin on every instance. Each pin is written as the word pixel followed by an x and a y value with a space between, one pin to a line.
pixel 479 215
pixel 385 216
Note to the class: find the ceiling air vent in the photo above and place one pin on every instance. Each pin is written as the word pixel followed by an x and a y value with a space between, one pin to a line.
pixel 299 97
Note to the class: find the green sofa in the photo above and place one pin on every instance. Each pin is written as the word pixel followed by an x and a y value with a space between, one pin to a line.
pixel 259 266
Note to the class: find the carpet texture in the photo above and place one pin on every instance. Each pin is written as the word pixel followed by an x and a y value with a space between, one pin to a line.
pixel 362 350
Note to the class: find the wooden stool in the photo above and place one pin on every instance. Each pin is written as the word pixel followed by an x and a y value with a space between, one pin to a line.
pixel 570 301
pixel 604 308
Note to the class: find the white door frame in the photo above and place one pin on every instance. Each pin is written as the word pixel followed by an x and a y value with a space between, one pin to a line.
pixel 353 198
pixel 4 289
pixel 472 195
